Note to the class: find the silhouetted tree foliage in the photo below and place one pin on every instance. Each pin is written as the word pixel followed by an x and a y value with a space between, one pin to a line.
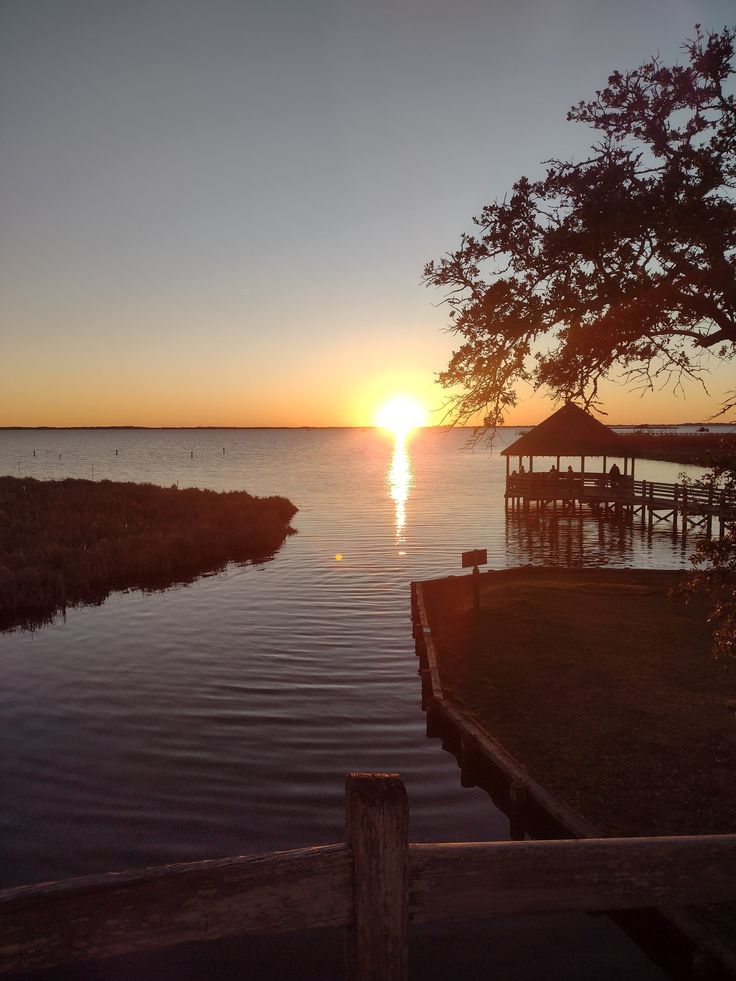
pixel 66 542
pixel 714 563
pixel 623 261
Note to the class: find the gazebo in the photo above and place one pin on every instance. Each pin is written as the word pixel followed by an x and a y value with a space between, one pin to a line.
pixel 568 432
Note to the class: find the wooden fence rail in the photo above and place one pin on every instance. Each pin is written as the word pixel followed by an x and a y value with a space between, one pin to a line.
pixel 374 885
pixel 688 504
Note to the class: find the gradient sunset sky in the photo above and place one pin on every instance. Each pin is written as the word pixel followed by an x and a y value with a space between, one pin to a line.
pixel 217 212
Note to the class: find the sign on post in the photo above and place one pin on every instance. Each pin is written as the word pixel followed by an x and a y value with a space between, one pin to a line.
pixel 474 558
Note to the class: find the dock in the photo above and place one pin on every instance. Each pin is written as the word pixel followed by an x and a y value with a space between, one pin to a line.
pixel 685 505
pixel 571 438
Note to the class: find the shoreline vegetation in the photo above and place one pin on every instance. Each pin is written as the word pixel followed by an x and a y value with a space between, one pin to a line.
pixel 631 431
pixel 699 449
pixel 73 542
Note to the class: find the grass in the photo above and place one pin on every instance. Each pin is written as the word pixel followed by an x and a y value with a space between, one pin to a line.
pixel 70 542
pixel 603 687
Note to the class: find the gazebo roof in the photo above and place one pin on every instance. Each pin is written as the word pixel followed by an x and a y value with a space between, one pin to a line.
pixel 568 432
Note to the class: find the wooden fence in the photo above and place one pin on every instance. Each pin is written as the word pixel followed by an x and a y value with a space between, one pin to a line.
pixel 695 505
pixel 374 885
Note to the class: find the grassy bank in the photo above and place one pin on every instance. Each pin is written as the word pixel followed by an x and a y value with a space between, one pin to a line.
pixel 70 542
pixel 602 686
pixel 604 689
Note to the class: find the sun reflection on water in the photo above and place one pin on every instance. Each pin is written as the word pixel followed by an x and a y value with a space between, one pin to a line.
pixel 400 478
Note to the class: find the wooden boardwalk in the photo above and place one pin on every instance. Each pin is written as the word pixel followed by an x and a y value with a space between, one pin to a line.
pixel 686 505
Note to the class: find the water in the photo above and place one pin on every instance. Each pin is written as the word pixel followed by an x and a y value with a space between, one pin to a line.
pixel 220 718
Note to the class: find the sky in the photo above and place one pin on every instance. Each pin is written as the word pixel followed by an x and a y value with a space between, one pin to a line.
pixel 217 212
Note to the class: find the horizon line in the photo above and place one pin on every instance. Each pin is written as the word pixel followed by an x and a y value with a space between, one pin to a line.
pixel 632 425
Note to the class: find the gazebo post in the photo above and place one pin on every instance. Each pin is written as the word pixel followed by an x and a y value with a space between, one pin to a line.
pixel 531 463
pixel 582 466
pixel 633 459
pixel 605 464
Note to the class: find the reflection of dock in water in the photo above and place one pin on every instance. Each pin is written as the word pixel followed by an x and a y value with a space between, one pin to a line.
pixel 564 538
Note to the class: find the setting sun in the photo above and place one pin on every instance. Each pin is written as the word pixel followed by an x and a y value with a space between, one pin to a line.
pixel 401 414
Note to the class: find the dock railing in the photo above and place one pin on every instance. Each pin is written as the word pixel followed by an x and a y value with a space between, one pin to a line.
pixel 686 496
pixel 374 885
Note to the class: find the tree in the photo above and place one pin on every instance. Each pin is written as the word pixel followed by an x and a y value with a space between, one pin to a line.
pixel 714 567
pixel 623 262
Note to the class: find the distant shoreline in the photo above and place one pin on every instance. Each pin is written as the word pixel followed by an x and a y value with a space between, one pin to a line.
pixel 612 425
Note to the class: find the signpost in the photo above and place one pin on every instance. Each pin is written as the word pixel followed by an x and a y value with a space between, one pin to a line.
pixel 474 558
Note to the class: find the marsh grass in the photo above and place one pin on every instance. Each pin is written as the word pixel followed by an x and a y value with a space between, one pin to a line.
pixel 70 542
pixel 698 449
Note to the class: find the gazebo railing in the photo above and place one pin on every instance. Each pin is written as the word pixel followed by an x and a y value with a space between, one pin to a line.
pixel 683 497
pixel 566 482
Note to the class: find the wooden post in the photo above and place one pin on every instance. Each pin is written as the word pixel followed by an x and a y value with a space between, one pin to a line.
pixel 722 517
pixel 675 506
pixel 476 588
pixel 426 677
pixel 470 758
pixel 377 814
pixel 684 510
pixel 435 715
pixel 517 808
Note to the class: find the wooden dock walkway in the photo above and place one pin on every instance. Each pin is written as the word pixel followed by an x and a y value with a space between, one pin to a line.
pixel 686 505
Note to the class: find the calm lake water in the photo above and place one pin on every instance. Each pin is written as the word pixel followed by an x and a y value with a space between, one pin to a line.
pixel 220 718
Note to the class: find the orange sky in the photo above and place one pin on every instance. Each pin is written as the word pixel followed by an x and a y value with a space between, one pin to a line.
pixel 218 214
pixel 333 390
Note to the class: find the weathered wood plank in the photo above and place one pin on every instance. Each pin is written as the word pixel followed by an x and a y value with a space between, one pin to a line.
pixel 476 880
pixel 435 679
pixel 118 913
pixel 376 943
pixel 505 763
